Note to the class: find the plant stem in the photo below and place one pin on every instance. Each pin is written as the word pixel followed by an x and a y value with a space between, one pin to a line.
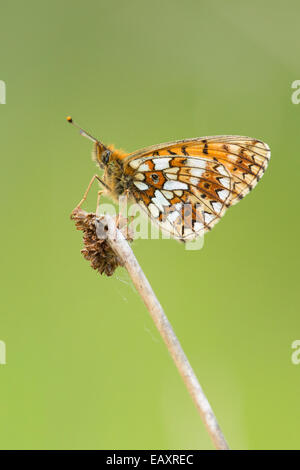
pixel 122 249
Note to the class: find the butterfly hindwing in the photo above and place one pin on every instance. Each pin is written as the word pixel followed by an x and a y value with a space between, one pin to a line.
pixel 186 186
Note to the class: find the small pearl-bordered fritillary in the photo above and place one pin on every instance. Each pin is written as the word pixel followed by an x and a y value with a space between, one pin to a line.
pixel 184 186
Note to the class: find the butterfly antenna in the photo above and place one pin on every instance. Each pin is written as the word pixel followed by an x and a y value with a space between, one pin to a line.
pixel 81 131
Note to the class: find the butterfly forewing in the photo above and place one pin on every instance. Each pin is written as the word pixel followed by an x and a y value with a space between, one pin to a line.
pixel 186 186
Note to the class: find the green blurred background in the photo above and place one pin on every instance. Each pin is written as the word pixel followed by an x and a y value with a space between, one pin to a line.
pixel 85 365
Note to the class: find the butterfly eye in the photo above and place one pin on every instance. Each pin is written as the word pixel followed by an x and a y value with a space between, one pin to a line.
pixel 105 156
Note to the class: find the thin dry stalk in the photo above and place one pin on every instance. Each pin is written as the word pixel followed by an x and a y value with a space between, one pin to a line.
pixel 126 257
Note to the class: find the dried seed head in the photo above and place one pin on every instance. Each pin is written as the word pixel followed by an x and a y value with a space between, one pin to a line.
pixel 98 251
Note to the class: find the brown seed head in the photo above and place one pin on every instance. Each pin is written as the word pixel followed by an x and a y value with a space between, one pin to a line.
pixel 98 251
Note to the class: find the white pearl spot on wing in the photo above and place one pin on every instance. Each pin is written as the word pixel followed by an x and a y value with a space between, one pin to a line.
pixel 140 185
pixel 168 194
pixel 194 181
pixel 160 200
pixel 223 194
pixel 161 163
pixel 171 176
pixel 135 163
pixel 173 216
pixel 153 210
pixel 172 185
pixel 196 172
pixel 222 170
pixel 217 206
pixel 196 162
pixel 139 176
pixel 208 217
pixel 174 169
pixel 144 167
pixel 225 182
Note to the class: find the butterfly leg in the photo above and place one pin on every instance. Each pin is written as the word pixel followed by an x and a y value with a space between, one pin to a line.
pixel 98 200
pixel 122 201
pixel 88 189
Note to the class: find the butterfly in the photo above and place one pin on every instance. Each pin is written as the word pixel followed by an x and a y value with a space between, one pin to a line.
pixel 184 186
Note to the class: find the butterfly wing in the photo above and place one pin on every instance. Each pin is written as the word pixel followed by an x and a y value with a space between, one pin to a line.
pixel 186 186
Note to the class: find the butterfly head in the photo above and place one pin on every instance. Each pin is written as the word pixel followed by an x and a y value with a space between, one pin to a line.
pixel 101 154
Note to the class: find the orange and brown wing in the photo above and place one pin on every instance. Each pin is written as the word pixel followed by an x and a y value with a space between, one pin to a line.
pixel 186 186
